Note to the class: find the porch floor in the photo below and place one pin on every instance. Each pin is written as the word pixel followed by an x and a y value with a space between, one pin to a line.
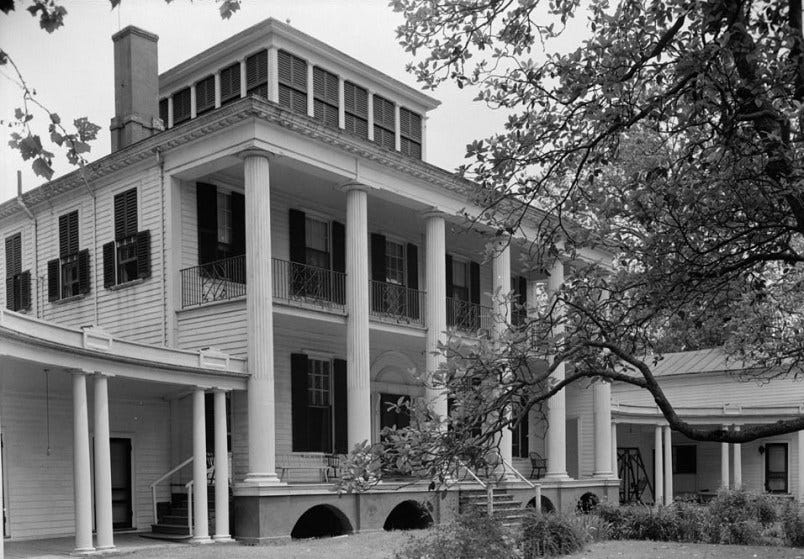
pixel 63 547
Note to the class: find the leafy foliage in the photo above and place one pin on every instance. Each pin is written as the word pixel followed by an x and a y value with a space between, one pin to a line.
pixel 670 140
pixel 75 144
pixel 552 535
pixel 471 536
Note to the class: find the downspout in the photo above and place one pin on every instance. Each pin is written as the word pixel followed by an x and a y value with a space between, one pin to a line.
pixel 30 214
pixel 161 162
pixel 94 244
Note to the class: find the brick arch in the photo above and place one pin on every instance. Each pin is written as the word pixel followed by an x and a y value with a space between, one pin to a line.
pixel 320 521
pixel 408 514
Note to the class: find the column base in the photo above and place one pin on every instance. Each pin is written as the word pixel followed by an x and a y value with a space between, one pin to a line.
pixel 604 475
pixel 105 548
pixel 201 541
pixel 83 551
pixel 262 479
pixel 223 539
pixel 557 476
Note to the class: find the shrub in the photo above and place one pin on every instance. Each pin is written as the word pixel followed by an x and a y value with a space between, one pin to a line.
pixel 551 535
pixel 471 536
pixel 738 517
pixel 692 522
pixel 793 524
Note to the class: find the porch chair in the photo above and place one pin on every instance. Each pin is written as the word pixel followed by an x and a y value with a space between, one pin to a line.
pixel 538 465
pixel 333 466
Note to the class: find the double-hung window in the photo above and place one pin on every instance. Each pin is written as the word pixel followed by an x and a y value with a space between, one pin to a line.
pixel 128 257
pixel 318 404
pixel 463 293
pixel 18 283
pixel 292 82
pixel 317 257
pixel 68 275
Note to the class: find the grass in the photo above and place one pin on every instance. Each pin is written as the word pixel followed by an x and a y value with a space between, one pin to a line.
pixel 381 545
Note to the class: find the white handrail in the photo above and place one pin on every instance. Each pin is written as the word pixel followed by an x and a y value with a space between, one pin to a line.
pixel 488 487
pixel 189 487
pixel 516 472
pixel 471 473
pixel 163 478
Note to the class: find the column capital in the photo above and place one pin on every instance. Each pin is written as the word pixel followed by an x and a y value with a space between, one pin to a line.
pixel 433 213
pixel 350 185
pixel 257 152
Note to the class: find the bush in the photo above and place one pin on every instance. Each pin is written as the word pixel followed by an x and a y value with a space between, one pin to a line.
pixel 793 524
pixel 471 536
pixel 551 535
pixel 692 522
pixel 739 517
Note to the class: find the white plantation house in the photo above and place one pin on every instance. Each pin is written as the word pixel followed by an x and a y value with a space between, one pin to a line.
pixel 201 323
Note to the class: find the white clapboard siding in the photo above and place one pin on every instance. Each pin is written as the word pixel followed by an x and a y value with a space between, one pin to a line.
pixel 580 405
pixel 25 226
pixel 222 326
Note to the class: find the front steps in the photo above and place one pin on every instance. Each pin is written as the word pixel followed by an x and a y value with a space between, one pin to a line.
pixel 172 519
pixel 507 509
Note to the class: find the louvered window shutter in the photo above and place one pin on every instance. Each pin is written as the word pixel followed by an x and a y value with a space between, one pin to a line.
pixel 338 247
pixel 10 299
pixel 297 236
pixel 109 265
pixel 53 280
pixel 83 272
pixel 378 269
pixel 230 83
pixel 181 106
pixel 68 234
pixel 299 73
pixel 474 282
pixel 238 223
pixel 119 217
pixel 412 255
pixel 205 95
pixel 144 254
pixel 449 276
pixel 24 290
pixel 207 215
pixel 298 402
pixel 13 255
pixel 125 214
pixel 340 406
pixel 256 70
pixel 285 67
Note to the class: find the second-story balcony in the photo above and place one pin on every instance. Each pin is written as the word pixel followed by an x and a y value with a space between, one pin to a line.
pixel 467 316
pixel 390 302
pixel 293 283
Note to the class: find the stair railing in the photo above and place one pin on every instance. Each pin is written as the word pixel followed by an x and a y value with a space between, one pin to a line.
pixel 517 473
pixel 163 478
pixel 487 486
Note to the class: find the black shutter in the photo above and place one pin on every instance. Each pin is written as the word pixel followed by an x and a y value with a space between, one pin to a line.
pixel 340 403
pixel 119 217
pixel 10 300
pixel 109 264
pixel 83 271
pixel 230 83
pixel 378 257
pixel 205 95
pixel 449 276
pixel 144 254
pixel 298 402
pixel 238 223
pixel 256 69
pixel 522 290
pixel 68 234
pixel 338 247
pixel 297 237
pixel 53 283
pixel 25 290
pixel 206 196
pixel 474 282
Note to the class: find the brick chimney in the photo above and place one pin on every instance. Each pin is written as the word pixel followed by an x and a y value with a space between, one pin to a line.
pixel 136 87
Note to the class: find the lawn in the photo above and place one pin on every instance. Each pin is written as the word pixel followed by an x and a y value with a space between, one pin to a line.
pixel 381 545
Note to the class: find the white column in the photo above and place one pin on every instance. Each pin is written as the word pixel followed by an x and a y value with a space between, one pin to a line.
pixel 724 462
pixel 169 123
pixel 243 81
pixel 658 466
pixel 358 377
pixel 435 303
pixel 82 482
pixel 398 136
pixel 557 405
pixel 200 513
pixel 341 104
pixel 800 442
pixel 501 269
pixel 103 466
pixel 259 315
pixel 601 402
pixel 2 527
pixel 738 462
pixel 614 468
pixel 668 465
pixel 217 89
pixel 221 470
pixel 273 74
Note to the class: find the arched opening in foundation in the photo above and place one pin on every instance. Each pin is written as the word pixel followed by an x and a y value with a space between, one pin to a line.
pixel 408 515
pixel 547 504
pixel 321 521
pixel 587 503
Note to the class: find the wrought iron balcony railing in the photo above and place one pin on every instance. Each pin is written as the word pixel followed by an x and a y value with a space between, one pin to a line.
pixel 295 282
pixel 215 281
pixel 466 316
pixel 396 303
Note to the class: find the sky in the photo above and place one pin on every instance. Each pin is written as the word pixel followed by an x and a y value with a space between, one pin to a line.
pixel 72 68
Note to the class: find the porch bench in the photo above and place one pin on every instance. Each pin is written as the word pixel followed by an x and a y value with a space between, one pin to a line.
pixel 328 467
pixel 321 469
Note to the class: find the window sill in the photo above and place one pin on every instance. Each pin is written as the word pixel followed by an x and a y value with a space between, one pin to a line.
pixel 69 299
pixel 131 283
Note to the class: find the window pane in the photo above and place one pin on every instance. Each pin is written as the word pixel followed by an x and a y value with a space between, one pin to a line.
pixel 777 459
pixel 395 262
pixel 458 273
pixel 224 218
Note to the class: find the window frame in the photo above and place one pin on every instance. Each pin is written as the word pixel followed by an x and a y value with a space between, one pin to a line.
pixel 383 126
pixel 407 138
pixel 323 104
pixel 352 116
pixel 677 461
pixel 178 116
pixel 327 432
pixel 200 106
pixel 235 93
pixel 18 281
pixel 402 260
pixel 127 244
pixel 260 86
pixel 778 475
pixel 295 90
